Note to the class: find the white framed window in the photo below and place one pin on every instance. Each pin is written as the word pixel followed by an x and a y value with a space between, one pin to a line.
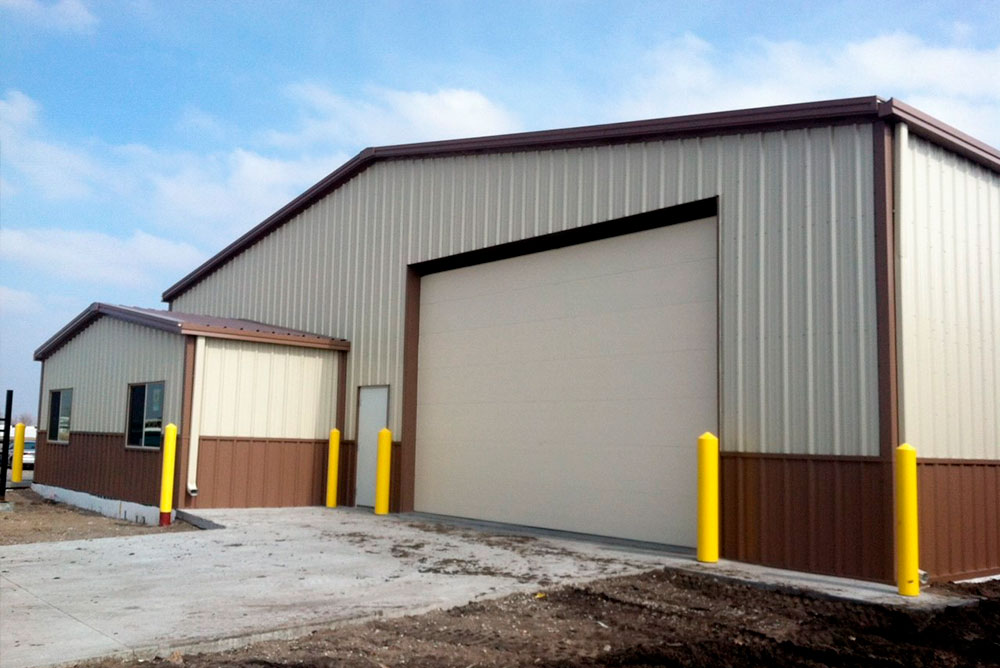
pixel 60 411
pixel 145 415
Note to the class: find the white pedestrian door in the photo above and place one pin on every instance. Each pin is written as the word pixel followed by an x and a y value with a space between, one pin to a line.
pixel 373 415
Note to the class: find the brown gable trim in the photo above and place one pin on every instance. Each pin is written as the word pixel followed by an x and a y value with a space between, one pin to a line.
pixel 942 134
pixel 763 118
pixel 857 109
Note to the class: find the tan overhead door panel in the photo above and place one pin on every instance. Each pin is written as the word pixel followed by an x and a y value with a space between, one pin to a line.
pixel 566 389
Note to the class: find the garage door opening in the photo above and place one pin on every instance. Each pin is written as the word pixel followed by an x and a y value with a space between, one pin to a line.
pixel 565 389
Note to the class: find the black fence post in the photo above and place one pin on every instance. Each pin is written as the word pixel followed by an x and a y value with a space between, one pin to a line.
pixel 6 442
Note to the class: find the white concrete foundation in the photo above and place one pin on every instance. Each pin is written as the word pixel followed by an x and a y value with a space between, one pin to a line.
pixel 123 510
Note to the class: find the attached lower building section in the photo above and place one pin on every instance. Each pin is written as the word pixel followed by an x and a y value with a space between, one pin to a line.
pixel 253 403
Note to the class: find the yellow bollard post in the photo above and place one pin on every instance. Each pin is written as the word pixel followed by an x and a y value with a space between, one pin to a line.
pixel 907 539
pixel 18 471
pixel 382 472
pixel 332 467
pixel 708 498
pixel 167 476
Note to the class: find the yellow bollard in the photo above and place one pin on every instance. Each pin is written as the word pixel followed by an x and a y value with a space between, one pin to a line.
pixel 907 540
pixel 382 472
pixel 167 477
pixel 332 467
pixel 18 472
pixel 708 498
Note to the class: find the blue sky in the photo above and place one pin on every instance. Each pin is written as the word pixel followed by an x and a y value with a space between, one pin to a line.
pixel 137 138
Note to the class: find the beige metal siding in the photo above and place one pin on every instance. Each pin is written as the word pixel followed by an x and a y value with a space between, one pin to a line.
pixel 260 390
pixel 798 363
pixel 100 363
pixel 948 227
pixel 560 388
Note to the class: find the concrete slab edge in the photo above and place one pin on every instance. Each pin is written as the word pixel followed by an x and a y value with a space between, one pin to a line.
pixel 240 640
pixel 694 567
pixel 116 508
pixel 924 602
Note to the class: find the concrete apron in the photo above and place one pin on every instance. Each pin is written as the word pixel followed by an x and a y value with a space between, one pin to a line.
pixel 275 573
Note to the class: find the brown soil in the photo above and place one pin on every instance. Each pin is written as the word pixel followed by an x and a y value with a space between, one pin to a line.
pixel 661 618
pixel 33 519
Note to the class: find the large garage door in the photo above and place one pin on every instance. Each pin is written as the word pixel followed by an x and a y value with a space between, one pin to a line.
pixel 566 389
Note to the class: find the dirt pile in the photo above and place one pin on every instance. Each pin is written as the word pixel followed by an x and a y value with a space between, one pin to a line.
pixel 662 618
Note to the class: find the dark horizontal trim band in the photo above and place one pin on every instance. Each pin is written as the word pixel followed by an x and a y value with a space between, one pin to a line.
pixel 640 222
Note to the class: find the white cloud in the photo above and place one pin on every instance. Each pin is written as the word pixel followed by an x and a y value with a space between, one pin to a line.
pixel 217 197
pixel 140 260
pixel 18 303
pixel 213 197
pixel 957 84
pixel 391 116
pixel 199 121
pixel 58 170
pixel 63 15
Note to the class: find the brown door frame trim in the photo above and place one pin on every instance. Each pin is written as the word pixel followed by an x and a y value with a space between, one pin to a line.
pixel 673 215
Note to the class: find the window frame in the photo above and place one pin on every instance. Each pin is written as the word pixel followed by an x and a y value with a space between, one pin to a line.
pixel 128 414
pixel 61 392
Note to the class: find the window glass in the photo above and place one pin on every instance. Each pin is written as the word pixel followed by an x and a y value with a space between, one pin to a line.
pixel 145 415
pixel 65 408
pixel 136 402
pixel 153 425
pixel 53 416
pixel 60 408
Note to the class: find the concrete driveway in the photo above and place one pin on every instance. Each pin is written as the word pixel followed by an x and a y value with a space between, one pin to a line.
pixel 269 573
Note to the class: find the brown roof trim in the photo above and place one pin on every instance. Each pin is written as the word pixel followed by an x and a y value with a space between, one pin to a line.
pixel 940 133
pixel 301 340
pixel 188 323
pixel 703 124
pixel 868 108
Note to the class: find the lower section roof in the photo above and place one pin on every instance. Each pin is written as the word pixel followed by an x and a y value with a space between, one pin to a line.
pixel 190 324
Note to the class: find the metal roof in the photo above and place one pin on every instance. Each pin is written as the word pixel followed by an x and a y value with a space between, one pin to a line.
pixel 857 109
pixel 191 324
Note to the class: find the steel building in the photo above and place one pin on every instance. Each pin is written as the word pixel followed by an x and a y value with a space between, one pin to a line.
pixel 548 320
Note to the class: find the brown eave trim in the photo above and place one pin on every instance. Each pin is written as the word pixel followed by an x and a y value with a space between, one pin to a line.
pixel 299 340
pixel 940 133
pixel 858 108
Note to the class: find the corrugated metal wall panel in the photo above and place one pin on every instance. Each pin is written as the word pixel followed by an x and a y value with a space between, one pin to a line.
pixel 948 227
pixel 797 263
pixel 259 390
pixel 100 464
pixel 959 518
pixel 100 362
